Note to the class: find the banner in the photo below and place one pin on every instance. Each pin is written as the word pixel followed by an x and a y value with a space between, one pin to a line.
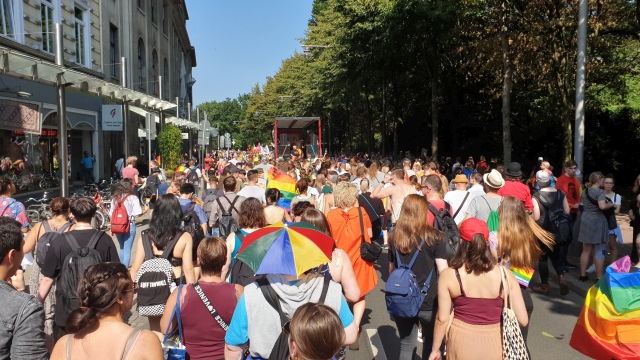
pixel 19 116
pixel 112 117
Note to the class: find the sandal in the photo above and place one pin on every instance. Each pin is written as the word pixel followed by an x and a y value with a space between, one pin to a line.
pixel 541 289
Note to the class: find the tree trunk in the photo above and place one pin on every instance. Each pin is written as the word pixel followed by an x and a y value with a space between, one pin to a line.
pixel 434 116
pixel 507 81
pixel 395 139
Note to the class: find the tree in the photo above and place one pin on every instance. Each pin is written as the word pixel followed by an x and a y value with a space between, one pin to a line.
pixel 170 144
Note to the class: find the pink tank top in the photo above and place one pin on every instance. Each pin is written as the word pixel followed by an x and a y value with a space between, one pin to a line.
pixel 203 336
pixel 477 311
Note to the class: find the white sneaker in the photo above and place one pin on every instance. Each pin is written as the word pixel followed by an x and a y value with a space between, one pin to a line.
pixel 420 336
pixel 591 269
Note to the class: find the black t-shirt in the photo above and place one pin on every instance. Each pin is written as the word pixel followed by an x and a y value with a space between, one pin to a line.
pixel 425 262
pixel 375 209
pixel 58 252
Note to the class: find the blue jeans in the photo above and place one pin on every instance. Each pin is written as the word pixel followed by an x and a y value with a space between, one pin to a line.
pixel 126 242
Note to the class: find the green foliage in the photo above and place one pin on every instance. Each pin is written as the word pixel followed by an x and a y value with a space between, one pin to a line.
pixel 226 115
pixel 170 144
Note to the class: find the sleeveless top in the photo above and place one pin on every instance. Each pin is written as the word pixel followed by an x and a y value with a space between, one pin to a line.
pixel 203 336
pixel 131 340
pixel 477 311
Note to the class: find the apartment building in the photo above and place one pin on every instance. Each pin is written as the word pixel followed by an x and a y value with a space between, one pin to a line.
pixel 150 34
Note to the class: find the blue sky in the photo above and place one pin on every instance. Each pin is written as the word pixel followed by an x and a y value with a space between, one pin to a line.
pixel 241 42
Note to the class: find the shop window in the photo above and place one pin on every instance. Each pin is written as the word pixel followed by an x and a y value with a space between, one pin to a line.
pixel 165 20
pixel 154 9
pixel 6 17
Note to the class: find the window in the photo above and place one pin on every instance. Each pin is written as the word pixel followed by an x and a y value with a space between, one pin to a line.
pixel 165 21
pixel 113 51
pixel 6 18
pixel 46 17
pixel 154 72
pixel 154 9
pixel 140 4
pixel 142 66
pixel 165 79
pixel 80 33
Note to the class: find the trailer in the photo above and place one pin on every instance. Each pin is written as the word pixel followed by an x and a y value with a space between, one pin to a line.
pixel 300 131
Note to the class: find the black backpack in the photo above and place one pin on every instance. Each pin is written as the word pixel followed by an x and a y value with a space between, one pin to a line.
pixel 74 266
pixel 192 177
pixel 191 224
pixel 227 224
pixel 443 221
pixel 44 242
pixel 155 278
pixel 280 349
pixel 556 221
pixel 153 182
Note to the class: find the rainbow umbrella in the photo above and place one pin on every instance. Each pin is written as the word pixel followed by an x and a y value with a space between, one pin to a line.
pixel 286 248
pixel 609 325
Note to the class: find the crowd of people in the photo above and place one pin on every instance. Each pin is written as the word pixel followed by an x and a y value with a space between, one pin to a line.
pixel 472 234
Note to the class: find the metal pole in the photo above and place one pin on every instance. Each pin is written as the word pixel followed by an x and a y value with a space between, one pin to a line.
pixel 578 145
pixel 189 130
pixel 62 116
pixel 161 98
pixel 125 107
pixel 150 122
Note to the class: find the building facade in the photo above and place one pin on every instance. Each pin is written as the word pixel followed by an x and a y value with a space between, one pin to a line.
pixel 96 34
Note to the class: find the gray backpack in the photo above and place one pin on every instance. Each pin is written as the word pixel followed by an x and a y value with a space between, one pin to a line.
pixel 44 242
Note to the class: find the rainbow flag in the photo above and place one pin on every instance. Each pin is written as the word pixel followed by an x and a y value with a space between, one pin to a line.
pixel 283 182
pixel 523 275
pixel 609 324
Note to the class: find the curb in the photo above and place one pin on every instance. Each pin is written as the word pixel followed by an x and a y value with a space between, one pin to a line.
pixel 375 345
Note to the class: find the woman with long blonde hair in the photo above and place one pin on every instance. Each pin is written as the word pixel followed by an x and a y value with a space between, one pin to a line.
pixel 518 246
pixel 413 236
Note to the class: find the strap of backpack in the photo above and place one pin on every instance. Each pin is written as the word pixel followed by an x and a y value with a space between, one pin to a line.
pixel 240 235
pixel 361 224
pixel 94 239
pixel 371 206
pixel 146 245
pixel 272 298
pixel 427 283
pixel 434 210
pixel 192 207
pixel 461 205
pixel 325 289
pixel 71 240
pixel 593 201
pixel 233 204
pixel 168 250
pixel 46 226
pixel 64 227
pixel 207 303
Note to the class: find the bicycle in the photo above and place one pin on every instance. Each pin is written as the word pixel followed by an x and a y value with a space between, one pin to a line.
pixel 41 208
pixel 103 220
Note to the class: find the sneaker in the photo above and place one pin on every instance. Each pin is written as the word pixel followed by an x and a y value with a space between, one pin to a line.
pixel 570 266
pixel 583 278
pixel 591 269
pixel 420 336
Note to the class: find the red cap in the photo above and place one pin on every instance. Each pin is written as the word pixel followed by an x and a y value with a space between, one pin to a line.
pixel 473 226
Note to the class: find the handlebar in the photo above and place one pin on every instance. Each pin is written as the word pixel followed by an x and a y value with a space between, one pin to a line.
pixel 37 200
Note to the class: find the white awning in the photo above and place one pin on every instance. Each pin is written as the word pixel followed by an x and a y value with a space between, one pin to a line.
pixel 13 62
pixel 181 122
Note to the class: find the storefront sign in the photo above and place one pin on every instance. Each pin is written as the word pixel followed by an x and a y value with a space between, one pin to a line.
pixel 19 116
pixel 112 117
pixel 185 136
pixel 44 133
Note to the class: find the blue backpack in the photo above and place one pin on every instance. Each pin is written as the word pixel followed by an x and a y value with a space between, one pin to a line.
pixel 403 296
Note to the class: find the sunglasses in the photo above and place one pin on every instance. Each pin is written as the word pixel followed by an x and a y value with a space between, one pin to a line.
pixel 134 287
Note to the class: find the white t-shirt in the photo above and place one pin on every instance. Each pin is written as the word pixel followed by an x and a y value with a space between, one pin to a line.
pixel 454 198
pixel 410 172
pixel 132 204
pixel 253 191
pixel 476 190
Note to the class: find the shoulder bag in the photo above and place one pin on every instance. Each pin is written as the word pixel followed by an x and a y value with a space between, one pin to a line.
pixel 513 345
pixel 609 214
pixel 368 251
pixel 173 343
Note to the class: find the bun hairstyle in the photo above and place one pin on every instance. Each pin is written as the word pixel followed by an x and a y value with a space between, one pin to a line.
pixel 60 206
pixel 99 289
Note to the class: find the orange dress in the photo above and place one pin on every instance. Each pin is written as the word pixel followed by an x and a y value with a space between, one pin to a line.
pixel 345 228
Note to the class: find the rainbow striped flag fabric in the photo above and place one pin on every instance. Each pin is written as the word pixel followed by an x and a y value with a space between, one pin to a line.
pixel 523 275
pixel 283 182
pixel 609 324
